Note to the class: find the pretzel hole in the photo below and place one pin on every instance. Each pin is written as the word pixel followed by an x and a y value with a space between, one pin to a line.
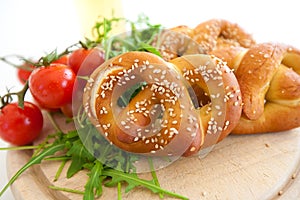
pixel 129 94
pixel 198 96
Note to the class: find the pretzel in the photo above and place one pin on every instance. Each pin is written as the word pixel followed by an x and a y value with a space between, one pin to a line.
pixel 164 117
pixel 232 93
pixel 217 33
pixel 205 37
pixel 176 42
pixel 269 78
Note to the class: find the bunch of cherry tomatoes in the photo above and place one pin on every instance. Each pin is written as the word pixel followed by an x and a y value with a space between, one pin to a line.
pixel 51 87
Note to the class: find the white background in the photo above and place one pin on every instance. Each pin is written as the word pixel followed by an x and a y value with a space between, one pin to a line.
pixel 32 27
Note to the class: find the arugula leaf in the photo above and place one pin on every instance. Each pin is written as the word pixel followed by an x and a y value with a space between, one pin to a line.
pixel 103 28
pixel 133 181
pixel 79 156
pixel 93 186
pixel 149 48
pixel 139 38
pixel 33 161
pixel 126 97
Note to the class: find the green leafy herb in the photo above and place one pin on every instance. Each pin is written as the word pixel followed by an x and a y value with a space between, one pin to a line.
pixel 59 171
pixel 103 28
pixel 125 98
pixel 79 156
pixel 133 181
pixel 33 161
pixel 149 48
pixel 93 187
pixel 65 189
pixel 139 38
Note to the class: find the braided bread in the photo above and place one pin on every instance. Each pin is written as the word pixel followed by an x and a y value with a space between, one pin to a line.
pixel 165 117
pixel 269 78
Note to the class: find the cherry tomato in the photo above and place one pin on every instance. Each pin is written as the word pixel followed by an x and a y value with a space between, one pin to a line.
pixel 20 126
pixel 23 74
pixel 52 86
pixel 85 61
pixel 67 110
pixel 62 60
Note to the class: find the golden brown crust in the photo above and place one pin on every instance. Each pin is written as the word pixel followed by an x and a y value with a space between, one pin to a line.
pixel 255 73
pixel 231 55
pixel 230 85
pixel 176 42
pixel 269 77
pixel 132 127
pixel 219 33
pixel 184 30
pixel 207 36
pixel 182 127
pixel 275 118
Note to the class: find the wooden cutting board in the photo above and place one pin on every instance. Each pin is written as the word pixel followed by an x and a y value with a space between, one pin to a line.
pixel 263 166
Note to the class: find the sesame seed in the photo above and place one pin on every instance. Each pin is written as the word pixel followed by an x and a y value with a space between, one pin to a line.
pixel 192 149
pixel 174 130
pixel 127 127
pixel 90 80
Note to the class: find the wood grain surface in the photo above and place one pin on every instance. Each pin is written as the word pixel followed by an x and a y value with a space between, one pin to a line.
pixel 261 167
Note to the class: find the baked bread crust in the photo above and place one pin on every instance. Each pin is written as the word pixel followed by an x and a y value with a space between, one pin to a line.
pixel 269 78
pixel 204 38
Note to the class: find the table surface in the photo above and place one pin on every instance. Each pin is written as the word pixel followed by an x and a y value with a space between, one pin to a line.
pixel 266 21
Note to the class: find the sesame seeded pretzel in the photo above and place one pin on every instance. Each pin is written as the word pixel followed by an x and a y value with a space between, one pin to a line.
pixel 207 101
pixel 219 33
pixel 162 119
pixel 176 42
pixel 207 36
pixel 269 77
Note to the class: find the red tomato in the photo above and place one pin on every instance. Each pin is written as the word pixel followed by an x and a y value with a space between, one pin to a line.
pixel 62 60
pixel 52 86
pixel 85 61
pixel 24 74
pixel 67 110
pixel 20 126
